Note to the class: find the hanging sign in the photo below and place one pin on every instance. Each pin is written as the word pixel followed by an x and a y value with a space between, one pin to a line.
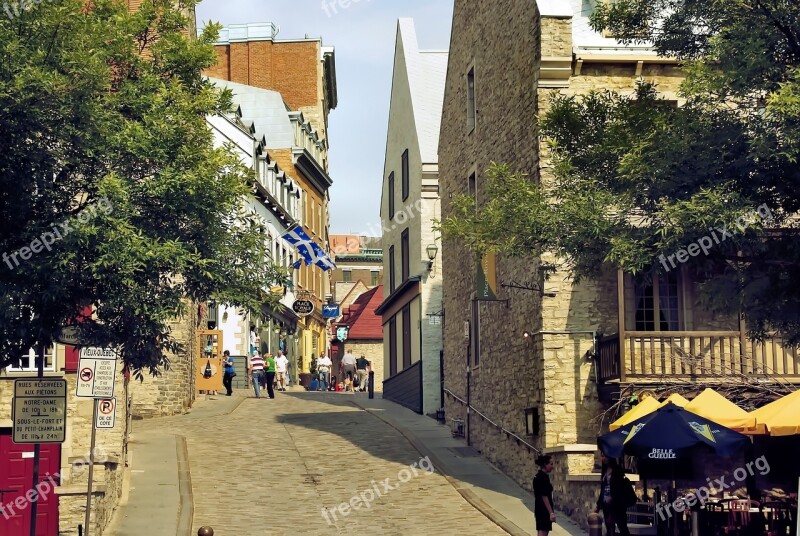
pixel 303 307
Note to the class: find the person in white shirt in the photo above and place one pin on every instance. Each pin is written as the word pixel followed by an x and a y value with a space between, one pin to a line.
pixel 281 365
pixel 349 371
pixel 324 365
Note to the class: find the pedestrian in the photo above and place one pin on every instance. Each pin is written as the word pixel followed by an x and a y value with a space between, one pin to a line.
pixel 349 370
pixel 614 492
pixel 324 367
pixel 230 372
pixel 543 510
pixel 256 371
pixel 281 368
pixel 269 367
pixel 362 371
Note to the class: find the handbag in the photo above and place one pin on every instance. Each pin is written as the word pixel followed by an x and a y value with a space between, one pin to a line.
pixel 233 374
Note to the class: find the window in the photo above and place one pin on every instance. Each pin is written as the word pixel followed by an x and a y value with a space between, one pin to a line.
pixel 406 337
pixel 471 99
pixel 27 362
pixel 392 346
pixel 473 187
pixel 658 299
pixel 374 282
pixel 404 174
pixel 391 269
pixel 347 276
pixel 404 261
pixel 390 193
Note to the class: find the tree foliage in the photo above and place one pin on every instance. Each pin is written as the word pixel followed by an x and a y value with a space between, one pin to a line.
pixel 637 178
pixel 103 115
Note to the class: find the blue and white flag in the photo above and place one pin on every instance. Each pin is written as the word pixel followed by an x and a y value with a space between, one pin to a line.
pixel 310 250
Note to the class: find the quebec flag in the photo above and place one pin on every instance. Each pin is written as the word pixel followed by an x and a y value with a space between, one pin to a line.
pixel 310 250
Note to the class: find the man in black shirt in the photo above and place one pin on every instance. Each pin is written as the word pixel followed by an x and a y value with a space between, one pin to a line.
pixel 362 372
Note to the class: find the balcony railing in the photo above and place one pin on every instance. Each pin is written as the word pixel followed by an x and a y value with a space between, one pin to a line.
pixel 692 354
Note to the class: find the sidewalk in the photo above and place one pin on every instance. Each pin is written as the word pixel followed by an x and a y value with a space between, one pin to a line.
pixel 493 493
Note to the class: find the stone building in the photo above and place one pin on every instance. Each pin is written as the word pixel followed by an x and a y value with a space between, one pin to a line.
pixel 302 74
pixel 544 359
pixel 412 309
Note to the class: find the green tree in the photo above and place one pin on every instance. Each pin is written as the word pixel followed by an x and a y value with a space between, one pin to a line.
pixel 110 178
pixel 636 178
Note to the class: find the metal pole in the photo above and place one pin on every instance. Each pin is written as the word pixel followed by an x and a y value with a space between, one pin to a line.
pixel 371 385
pixel 91 471
pixel 36 450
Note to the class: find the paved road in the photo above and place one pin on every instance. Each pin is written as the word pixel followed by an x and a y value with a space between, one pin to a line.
pixel 274 466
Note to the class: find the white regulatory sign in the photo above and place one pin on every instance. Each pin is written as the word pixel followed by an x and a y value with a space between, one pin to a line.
pixel 97 370
pixel 106 411
pixel 39 410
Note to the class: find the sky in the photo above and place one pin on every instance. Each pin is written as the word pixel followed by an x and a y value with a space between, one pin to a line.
pixel 364 36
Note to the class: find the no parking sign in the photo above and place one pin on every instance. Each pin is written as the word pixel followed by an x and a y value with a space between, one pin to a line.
pixel 106 411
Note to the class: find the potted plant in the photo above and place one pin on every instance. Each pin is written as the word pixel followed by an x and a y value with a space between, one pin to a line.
pixel 305 377
pixel 313 371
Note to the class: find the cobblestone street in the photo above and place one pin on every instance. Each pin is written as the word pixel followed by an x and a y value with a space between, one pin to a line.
pixel 272 466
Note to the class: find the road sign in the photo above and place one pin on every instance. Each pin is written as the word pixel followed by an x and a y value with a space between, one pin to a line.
pixel 303 307
pixel 106 411
pixel 97 371
pixel 39 410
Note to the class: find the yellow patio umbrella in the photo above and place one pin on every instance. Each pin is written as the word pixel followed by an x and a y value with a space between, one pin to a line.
pixel 676 399
pixel 648 405
pixel 715 407
pixel 779 418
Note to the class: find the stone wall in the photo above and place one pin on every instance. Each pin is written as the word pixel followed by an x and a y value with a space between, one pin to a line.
pixel 506 380
pixel 173 391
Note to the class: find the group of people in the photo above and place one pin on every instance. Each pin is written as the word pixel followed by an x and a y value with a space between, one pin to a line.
pixel 353 372
pixel 612 499
pixel 270 373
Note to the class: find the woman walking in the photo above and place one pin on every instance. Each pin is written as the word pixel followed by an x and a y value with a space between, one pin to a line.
pixel 613 495
pixel 543 511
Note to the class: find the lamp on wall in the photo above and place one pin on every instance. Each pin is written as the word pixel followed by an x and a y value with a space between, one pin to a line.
pixel 212 315
pixel 431 250
pixel 532 421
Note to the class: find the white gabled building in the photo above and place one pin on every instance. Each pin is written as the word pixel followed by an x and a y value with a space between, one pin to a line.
pixel 276 201
pixel 412 307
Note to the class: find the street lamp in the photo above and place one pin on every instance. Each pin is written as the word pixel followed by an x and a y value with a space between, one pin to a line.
pixel 431 250
pixel 212 315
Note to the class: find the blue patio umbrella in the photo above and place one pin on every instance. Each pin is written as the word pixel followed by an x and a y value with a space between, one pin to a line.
pixel 671 434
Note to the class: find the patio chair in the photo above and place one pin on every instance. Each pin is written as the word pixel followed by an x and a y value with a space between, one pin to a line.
pixel 777 518
pixel 739 515
pixel 642 519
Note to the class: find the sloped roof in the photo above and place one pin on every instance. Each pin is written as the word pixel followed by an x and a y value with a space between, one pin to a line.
pixel 360 318
pixel 266 109
pixel 427 71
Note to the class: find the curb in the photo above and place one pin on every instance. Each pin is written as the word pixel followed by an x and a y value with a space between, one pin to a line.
pixel 479 504
pixel 186 507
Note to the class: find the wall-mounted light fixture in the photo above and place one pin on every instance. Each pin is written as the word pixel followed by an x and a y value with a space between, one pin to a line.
pixel 212 315
pixel 431 250
pixel 532 421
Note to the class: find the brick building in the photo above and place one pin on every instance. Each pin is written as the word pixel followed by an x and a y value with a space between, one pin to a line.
pixel 358 258
pixel 302 72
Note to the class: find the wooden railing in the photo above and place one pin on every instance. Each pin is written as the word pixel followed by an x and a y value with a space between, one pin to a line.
pixel 695 354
